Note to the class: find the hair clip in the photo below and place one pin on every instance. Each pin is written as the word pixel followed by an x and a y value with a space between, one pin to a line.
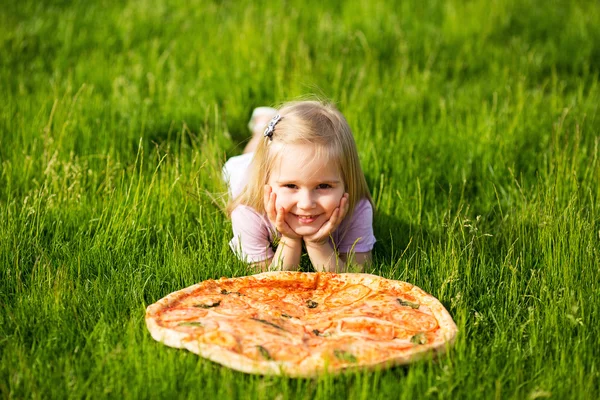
pixel 271 126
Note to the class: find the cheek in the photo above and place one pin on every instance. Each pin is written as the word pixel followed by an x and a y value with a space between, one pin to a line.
pixel 283 200
pixel 330 203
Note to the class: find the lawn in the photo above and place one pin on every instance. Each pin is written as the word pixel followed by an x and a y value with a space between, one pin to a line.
pixel 478 130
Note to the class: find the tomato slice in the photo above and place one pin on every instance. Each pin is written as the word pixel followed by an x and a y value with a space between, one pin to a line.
pixel 370 328
pixel 414 320
pixel 349 294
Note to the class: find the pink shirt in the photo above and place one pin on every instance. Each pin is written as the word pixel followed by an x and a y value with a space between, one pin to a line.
pixel 253 234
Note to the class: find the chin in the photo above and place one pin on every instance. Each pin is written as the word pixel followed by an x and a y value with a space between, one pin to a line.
pixel 306 230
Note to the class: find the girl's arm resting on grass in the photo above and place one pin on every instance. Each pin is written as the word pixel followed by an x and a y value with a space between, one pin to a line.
pixel 324 259
pixel 261 266
pixel 357 261
pixel 287 255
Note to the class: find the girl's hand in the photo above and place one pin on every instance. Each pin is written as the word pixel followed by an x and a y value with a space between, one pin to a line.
pixel 277 216
pixel 338 215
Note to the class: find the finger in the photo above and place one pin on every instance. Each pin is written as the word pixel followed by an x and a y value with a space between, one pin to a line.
pixel 271 211
pixel 280 220
pixel 266 195
pixel 344 206
pixel 282 226
pixel 333 220
pixel 328 227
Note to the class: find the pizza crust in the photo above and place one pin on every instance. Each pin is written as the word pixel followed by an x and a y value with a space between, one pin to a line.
pixel 303 324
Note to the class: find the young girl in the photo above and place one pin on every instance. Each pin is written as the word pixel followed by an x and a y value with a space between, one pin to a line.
pixel 300 183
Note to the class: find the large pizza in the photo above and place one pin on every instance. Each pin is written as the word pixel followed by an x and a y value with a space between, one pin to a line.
pixel 303 324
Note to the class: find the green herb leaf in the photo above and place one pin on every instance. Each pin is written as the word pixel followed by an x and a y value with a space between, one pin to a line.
pixel 208 305
pixel 189 323
pixel 311 304
pixel 408 303
pixel 419 338
pixel 268 323
pixel 223 291
pixel 263 352
pixel 345 356
pixel 284 315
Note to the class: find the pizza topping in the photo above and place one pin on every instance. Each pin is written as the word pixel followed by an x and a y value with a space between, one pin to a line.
pixel 233 306
pixel 343 355
pixel 190 323
pixel 348 295
pixel 210 305
pixel 419 338
pixel 367 327
pixel 279 308
pixel 296 323
pixel 283 351
pixel 263 293
pixel 222 339
pixel 268 323
pixel 223 291
pixel 264 352
pixel 413 320
pixel 320 324
pixel 408 303
pixel 178 314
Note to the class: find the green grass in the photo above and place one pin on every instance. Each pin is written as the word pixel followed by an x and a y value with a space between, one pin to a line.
pixel 478 129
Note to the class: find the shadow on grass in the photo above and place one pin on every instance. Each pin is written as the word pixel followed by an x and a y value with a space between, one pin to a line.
pixel 396 240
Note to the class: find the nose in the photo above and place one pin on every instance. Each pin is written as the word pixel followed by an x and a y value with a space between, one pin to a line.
pixel 306 199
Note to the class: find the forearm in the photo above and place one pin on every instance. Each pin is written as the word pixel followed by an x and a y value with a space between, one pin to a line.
pixel 324 258
pixel 287 255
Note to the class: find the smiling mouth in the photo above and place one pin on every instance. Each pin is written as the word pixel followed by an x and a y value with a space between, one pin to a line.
pixel 306 219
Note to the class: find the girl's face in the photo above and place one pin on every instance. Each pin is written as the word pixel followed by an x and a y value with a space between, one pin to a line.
pixel 309 188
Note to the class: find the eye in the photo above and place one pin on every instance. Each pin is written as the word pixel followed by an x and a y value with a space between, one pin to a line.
pixel 324 186
pixel 290 186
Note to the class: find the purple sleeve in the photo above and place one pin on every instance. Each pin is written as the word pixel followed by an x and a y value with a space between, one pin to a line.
pixel 251 236
pixel 356 234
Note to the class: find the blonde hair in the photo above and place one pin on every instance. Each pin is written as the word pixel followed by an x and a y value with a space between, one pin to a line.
pixel 306 122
